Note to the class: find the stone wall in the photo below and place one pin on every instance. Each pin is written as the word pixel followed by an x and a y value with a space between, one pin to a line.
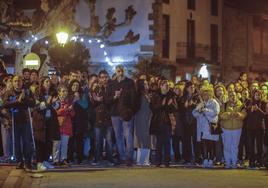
pixel 235 42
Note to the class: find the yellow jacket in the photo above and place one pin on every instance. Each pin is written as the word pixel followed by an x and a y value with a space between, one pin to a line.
pixel 232 118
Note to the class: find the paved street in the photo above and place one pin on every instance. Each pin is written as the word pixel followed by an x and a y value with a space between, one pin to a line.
pixel 146 177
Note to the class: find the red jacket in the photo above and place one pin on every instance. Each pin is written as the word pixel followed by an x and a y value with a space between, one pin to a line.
pixel 62 112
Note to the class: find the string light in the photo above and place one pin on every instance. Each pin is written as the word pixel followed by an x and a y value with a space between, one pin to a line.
pixel 99 42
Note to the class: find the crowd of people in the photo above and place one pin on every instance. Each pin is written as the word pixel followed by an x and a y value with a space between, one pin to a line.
pixel 75 118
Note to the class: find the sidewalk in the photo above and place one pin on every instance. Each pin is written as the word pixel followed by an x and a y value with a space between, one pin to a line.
pixel 4 172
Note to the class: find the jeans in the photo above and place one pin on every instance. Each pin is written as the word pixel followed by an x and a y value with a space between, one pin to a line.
pixel 23 138
pixel 231 140
pixel 60 149
pixel 143 156
pixel 101 132
pixel 124 132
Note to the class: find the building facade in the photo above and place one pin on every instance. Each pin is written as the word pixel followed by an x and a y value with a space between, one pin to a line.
pixel 245 38
pixel 187 34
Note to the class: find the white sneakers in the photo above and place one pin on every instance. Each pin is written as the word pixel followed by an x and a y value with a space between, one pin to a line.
pixel 44 166
pixel 205 163
pixel 41 167
pixel 208 163
pixel 48 165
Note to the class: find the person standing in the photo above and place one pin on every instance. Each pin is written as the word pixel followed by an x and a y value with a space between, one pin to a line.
pixel 161 105
pixel 206 113
pixel 255 129
pixel 142 121
pixel 123 98
pixel 103 126
pixel 18 101
pixel 191 142
pixel 65 113
pixel 232 122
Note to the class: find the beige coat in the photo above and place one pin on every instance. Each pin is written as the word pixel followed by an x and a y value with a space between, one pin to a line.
pixel 232 118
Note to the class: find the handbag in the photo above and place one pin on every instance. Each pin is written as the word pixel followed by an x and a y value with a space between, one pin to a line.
pixel 215 128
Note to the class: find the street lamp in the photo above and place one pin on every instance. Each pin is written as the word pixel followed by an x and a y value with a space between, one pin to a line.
pixel 62 37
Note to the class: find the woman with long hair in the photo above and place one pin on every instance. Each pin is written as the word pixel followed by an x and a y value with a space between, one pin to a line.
pixel 206 113
pixel 255 129
pixel 80 119
pixel 142 123
pixel 48 136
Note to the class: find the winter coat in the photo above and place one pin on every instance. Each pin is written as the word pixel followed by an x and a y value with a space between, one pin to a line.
pixel 125 105
pixel 20 109
pixel 142 125
pixel 65 118
pixel 102 108
pixel 48 111
pixel 208 115
pixel 160 118
pixel 255 118
pixel 80 119
pixel 228 120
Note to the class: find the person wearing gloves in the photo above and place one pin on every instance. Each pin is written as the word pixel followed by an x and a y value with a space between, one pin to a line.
pixel 206 112
pixel 232 122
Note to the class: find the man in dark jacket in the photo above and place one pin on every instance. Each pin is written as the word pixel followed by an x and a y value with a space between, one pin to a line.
pixel 18 101
pixel 122 95
pixel 103 125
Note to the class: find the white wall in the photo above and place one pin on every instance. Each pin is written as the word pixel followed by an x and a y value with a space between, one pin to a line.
pixel 140 25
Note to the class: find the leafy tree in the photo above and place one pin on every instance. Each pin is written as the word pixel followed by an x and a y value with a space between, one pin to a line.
pixel 73 56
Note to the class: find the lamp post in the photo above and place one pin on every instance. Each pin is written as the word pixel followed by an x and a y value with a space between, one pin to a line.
pixel 62 37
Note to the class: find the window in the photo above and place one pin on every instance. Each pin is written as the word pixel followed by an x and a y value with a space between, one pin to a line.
pixel 214 7
pixel 190 38
pixel 214 43
pixel 166 27
pixel 166 1
pixel 260 36
pixel 191 4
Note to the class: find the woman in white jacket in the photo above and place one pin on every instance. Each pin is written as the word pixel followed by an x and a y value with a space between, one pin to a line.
pixel 205 113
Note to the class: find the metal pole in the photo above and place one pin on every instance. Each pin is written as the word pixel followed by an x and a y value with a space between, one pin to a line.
pixel 31 124
pixel 13 157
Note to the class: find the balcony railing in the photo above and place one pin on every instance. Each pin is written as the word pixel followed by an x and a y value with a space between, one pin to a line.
pixel 202 51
